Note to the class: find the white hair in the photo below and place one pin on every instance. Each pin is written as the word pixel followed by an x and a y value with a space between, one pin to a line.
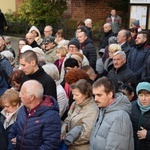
pixel 34 87
pixel 52 71
pixel 88 21
pixel 7 54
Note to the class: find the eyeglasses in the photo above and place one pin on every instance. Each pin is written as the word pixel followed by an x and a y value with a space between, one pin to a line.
pixel 72 47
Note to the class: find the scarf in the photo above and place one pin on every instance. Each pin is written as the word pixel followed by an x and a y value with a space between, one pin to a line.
pixel 143 108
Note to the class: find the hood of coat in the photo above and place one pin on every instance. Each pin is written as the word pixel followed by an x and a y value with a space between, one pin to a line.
pixel 121 103
pixel 34 28
pixel 48 103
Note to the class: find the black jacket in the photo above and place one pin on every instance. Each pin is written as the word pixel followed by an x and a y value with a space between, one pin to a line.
pixel 104 39
pixel 90 52
pixel 47 82
pixel 126 48
pixel 140 120
pixel 122 75
pixel 3 138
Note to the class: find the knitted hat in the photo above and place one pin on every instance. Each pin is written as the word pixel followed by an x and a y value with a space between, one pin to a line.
pixel 75 42
pixel 136 22
pixel 49 39
pixel 143 86
pixel 112 40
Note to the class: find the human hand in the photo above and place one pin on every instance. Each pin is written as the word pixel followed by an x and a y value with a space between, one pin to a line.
pixel 142 133
pixel 13 140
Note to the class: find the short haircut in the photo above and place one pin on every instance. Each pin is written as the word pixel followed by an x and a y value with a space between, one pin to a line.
pixel 122 53
pixel 80 23
pixel 83 86
pixel 34 87
pixel 29 55
pixel 144 33
pixel 11 96
pixel 107 83
pixel 88 21
pixel 71 62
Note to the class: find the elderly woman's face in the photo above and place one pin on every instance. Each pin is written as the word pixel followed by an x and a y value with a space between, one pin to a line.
pixel 8 108
pixel 144 98
pixel 78 96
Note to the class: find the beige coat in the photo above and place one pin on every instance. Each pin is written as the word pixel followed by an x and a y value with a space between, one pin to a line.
pixel 84 115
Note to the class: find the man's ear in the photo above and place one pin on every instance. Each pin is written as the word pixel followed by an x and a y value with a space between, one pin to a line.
pixel 33 63
pixel 110 95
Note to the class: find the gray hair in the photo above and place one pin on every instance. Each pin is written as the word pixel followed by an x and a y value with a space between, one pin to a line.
pixel 88 21
pixel 122 53
pixel 52 71
pixel 34 87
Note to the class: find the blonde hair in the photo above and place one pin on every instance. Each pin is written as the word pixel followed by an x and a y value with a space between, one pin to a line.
pixel 62 51
pixel 114 47
pixel 11 96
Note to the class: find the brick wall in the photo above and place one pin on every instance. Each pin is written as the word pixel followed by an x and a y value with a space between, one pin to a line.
pixel 95 9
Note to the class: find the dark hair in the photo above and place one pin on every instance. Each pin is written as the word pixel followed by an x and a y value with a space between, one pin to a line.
pixel 107 83
pixel 83 86
pixel 71 62
pixel 126 87
pixel 80 23
pixel 29 55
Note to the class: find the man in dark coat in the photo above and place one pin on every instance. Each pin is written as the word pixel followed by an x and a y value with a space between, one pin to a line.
pixel 139 54
pixel 86 45
pixel 29 65
pixel 31 40
pixel 3 23
pixel 3 138
pixel 107 34
pixel 122 40
pixel 121 73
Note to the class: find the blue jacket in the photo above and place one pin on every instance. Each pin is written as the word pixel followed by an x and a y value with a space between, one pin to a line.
pixel 137 59
pixel 39 130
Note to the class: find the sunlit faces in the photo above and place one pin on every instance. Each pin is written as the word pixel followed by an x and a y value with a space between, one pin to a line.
pixel 34 33
pixel 48 31
pixel 144 98
pixel 78 96
pixel 102 99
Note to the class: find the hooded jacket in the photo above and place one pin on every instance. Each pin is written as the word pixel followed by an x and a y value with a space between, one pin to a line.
pixel 39 130
pixel 113 128
pixel 38 39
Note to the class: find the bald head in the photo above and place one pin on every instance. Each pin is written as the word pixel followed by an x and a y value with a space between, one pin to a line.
pixel 107 27
pixel 30 38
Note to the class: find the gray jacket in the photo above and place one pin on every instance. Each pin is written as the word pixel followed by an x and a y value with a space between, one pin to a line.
pixel 113 128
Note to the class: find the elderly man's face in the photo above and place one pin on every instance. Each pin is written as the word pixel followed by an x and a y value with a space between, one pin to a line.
pixel 118 61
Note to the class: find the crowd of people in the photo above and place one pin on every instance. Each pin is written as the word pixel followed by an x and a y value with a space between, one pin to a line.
pixel 59 93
